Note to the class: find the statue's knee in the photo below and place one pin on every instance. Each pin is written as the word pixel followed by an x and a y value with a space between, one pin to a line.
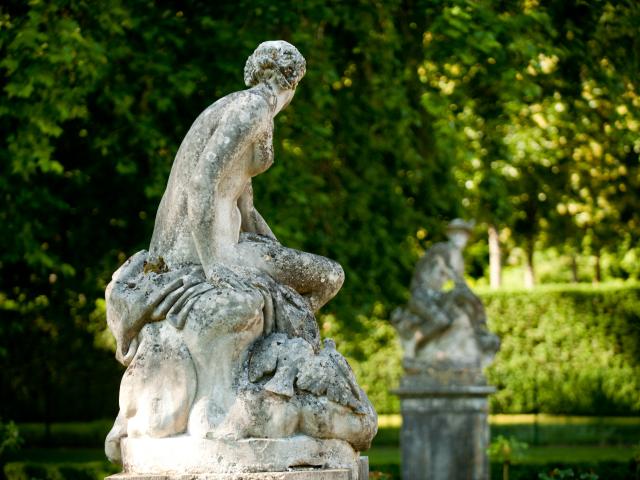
pixel 336 275
pixel 216 312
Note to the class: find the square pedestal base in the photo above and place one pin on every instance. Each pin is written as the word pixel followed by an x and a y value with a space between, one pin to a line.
pixel 333 474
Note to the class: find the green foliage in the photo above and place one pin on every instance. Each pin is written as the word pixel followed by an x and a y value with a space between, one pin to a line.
pixel 554 146
pixel 566 350
pixel 387 462
pixel 10 439
pixel 375 475
pixel 67 434
pixel 387 436
pixel 608 470
pixel 506 450
pixel 546 430
pixel 566 473
pixel 564 431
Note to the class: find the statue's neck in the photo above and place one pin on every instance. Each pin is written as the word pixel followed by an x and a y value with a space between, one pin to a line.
pixel 267 91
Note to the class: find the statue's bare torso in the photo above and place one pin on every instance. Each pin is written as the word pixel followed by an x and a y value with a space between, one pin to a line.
pixel 209 201
pixel 200 218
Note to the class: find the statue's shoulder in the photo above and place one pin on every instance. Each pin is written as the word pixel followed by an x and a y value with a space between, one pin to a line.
pixel 237 114
pixel 251 103
pixel 437 250
pixel 244 100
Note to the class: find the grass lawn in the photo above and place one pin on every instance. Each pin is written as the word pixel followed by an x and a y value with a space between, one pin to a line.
pixel 536 455
pixel 90 464
pixel 576 453
pixel 540 430
pixel 377 455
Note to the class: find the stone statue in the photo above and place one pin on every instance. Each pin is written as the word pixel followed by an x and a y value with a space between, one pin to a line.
pixel 444 324
pixel 444 393
pixel 215 323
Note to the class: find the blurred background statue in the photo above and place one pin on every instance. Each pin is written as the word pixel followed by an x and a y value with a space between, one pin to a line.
pixel 444 325
pixel 444 393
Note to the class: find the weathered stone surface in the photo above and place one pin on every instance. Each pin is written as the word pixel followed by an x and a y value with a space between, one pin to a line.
pixel 443 327
pixel 445 433
pixel 363 468
pixel 216 322
pixel 309 474
pixel 152 455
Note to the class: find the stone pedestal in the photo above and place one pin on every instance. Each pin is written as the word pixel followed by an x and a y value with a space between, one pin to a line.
pixel 185 454
pixel 445 431
pixel 334 474
pixel 187 458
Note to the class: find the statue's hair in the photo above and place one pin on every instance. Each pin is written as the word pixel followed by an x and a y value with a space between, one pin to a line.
pixel 277 59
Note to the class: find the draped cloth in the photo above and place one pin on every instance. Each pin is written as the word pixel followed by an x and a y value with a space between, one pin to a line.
pixel 139 294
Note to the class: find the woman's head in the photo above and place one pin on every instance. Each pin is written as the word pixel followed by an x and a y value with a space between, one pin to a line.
pixel 276 60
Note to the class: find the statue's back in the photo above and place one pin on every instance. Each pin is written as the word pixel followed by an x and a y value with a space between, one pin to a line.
pixel 171 234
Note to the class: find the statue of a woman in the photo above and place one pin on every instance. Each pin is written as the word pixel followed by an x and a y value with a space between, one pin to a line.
pixel 216 322
pixel 209 200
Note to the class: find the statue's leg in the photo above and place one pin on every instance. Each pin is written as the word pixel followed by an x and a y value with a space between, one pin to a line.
pixel 322 418
pixel 219 329
pixel 112 442
pixel 262 414
pixel 259 414
pixel 313 276
pixel 159 385
pixel 433 318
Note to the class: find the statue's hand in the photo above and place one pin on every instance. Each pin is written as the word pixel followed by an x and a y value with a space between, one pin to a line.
pixel 175 294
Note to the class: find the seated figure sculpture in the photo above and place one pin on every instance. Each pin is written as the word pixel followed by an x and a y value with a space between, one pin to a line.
pixel 443 327
pixel 216 323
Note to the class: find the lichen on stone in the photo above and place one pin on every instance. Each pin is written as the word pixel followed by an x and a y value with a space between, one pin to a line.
pixel 159 266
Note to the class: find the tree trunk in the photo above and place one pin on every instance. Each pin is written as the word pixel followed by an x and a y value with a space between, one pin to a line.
pixel 597 277
pixel 495 258
pixel 48 409
pixel 529 272
pixel 574 268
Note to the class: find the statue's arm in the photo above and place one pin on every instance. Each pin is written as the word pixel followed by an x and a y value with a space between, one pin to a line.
pixel 209 209
pixel 252 221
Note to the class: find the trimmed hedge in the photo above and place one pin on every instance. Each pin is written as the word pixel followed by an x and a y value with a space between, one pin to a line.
pixel 597 433
pixel 67 434
pixel 566 350
pixel 570 350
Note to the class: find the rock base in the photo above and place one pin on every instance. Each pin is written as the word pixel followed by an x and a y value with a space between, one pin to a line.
pixel 445 431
